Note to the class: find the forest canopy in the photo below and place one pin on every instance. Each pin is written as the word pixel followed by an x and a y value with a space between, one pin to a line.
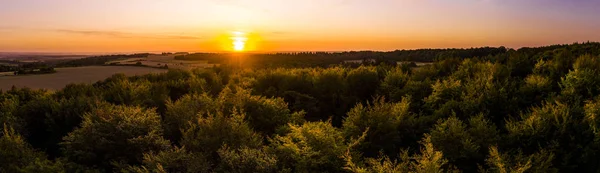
pixel 525 110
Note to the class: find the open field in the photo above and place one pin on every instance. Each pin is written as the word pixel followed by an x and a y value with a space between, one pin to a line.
pixel 162 60
pixel 65 76
pixel 9 73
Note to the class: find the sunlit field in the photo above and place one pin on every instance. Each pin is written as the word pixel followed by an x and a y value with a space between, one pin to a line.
pixel 65 76
pixel 160 61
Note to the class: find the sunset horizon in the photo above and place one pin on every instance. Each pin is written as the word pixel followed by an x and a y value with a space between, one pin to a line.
pixel 278 26
pixel 269 86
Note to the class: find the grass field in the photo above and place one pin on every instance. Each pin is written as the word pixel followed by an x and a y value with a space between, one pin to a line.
pixel 65 76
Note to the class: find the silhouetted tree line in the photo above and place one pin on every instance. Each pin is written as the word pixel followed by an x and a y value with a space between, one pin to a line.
pixel 325 59
pixel 99 60
pixel 7 68
pixel 28 68
pixel 522 110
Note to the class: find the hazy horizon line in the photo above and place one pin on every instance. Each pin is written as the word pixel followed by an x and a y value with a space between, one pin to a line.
pixel 289 51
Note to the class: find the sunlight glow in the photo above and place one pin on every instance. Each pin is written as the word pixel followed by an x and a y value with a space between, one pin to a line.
pixel 239 41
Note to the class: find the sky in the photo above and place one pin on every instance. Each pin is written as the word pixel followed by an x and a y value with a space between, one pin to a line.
pixel 291 25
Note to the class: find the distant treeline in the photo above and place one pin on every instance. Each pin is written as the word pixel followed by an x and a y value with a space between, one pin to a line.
pixel 9 65
pixel 99 60
pixel 323 59
pixel 28 68
pixel 6 68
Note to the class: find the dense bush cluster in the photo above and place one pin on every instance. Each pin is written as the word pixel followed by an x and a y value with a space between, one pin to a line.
pixel 527 110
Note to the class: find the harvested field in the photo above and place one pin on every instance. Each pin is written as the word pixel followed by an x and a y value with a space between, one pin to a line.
pixel 65 76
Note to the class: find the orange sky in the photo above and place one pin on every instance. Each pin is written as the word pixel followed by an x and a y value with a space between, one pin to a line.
pixel 286 25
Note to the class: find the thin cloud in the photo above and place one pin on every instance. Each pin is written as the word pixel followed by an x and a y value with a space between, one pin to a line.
pixel 118 34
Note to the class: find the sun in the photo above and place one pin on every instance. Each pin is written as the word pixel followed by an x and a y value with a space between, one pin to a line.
pixel 238 40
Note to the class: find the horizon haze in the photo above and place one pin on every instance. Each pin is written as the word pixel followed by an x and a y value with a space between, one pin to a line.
pixel 273 26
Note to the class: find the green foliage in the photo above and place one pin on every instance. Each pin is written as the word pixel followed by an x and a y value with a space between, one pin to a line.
pixel 9 104
pixel 265 115
pixel 554 126
pixel 115 135
pixel 16 155
pixel 389 127
pixel 535 89
pixel 173 160
pixel 429 160
pixel 120 90
pixel 246 160
pixel 592 115
pixel 583 82
pixel 330 87
pixel 312 147
pixel 183 112
pixel 485 109
pixel 392 84
pixel 211 132
pixel 463 144
pixel 443 92
pixel 518 163
pixel 543 121
pixel 214 83
pixel 361 82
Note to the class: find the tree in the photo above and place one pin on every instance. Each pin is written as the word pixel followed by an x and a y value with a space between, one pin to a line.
pixel 389 126
pixel 209 133
pixel 246 160
pixel 311 147
pixel 172 160
pixel 583 82
pixel 362 82
pixel 18 156
pixel 518 163
pixel 115 136
pixel 392 84
pixel 181 114
pixel 265 115
pixel 429 160
pixel 464 144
